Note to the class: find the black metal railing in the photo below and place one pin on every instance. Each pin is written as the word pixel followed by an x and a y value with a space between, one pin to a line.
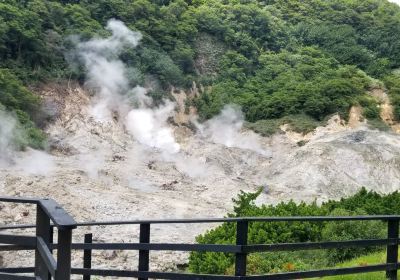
pixel 47 267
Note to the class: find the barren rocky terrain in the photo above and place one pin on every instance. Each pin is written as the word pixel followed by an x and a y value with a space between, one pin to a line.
pixel 98 171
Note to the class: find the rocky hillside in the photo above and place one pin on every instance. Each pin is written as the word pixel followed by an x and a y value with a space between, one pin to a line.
pixel 98 171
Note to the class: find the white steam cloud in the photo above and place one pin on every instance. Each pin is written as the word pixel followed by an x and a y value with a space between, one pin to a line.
pixel 105 72
pixel 8 132
pixel 107 75
pixel 149 127
pixel 226 129
pixel 35 162
pixel 30 161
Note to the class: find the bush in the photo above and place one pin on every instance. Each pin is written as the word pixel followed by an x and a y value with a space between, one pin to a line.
pixel 363 202
pixel 392 82
pixel 350 230
pixel 298 123
pixel 303 82
pixel 370 107
pixel 265 127
pixel 378 124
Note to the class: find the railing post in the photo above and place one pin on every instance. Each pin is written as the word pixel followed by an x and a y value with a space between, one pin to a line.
pixel 392 250
pixel 42 230
pixel 241 239
pixel 87 255
pixel 144 237
pixel 64 254
pixel 51 241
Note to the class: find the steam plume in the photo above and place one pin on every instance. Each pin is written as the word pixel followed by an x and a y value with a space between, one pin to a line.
pixel 31 161
pixel 8 131
pixel 107 75
pixel 105 72
pixel 226 129
pixel 146 123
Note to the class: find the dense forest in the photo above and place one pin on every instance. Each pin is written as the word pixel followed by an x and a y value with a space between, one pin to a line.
pixel 274 58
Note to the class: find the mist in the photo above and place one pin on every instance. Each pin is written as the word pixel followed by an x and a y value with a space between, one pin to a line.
pixel 35 162
pixel 8 131
pixel 107 75
pixel 395 1
pixel 30 161
pixel 149 126
pixel 227 129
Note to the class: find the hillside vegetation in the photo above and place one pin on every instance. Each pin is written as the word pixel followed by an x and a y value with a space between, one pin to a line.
pixel 275 58
pixel 362 203
pixel 371 259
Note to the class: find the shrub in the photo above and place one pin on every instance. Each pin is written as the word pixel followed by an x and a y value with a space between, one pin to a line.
pixel 298 123
pixel 350 230
pixel 363 202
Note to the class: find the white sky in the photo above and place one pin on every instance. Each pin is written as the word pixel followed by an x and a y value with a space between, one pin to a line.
pixel 395 1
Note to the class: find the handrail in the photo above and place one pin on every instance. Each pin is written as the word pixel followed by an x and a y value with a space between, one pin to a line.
pixel 245 219
pixel 55 212
pixel 224 220
pixel 45 265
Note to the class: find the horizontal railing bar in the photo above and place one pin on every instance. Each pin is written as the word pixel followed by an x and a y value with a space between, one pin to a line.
pixel 323 272
pixel 231 248
pixel 155 275
pixel 4 248
pixel 318 245
pixel 7 276
pixel 17 227
pixel 17 269
pixel 18 240
pixel 47 257
pixel 19 200
pixel 280 276
pixel 222 220
pixel 248 219
pixel 156 247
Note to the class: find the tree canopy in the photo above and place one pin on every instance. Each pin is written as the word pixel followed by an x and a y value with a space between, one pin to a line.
pixel 274 58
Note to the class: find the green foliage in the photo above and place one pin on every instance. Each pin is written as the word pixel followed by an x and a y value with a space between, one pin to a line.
pixel 162 66
pixel 32 135
pixel 362 203
pixel 378 124
pixel 350 230
pixel 16 98
pixel 392 82
pixel 274 58
pixel 306 82
pixel 370 259
pixel 298 123
pixel 265 127
pixel 14 95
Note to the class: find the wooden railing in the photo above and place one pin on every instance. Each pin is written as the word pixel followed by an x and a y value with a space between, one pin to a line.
pixel 47 267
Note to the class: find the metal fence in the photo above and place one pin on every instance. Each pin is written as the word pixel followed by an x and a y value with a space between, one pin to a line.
pixel 50 215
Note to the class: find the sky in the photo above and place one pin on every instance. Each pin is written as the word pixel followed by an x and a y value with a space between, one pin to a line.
pixel 395 1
